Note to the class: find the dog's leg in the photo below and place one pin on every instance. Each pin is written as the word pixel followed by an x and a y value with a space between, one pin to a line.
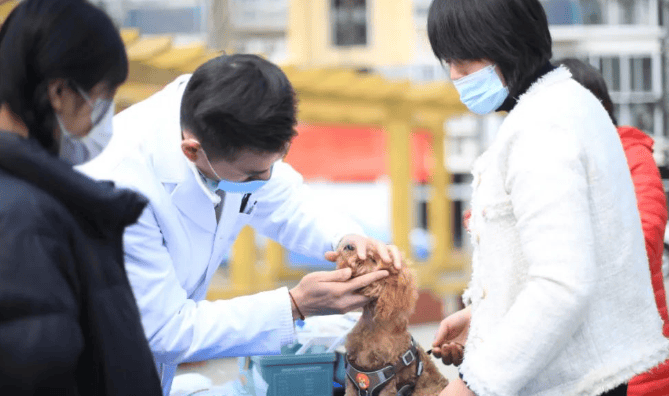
pixel 390 389
pixel 351 390
pixel 431 382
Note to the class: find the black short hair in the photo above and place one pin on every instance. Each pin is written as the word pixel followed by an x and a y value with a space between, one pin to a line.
pixel 511 33
pixel 237 102
pixel 592 80
pixel 43 40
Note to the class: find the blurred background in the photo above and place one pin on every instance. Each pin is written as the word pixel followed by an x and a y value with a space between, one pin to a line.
pixel 383 136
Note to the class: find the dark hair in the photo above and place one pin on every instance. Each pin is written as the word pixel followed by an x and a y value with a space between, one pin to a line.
pixel 239 101
pixel 511 33
pixel 592 80
pixel 43 40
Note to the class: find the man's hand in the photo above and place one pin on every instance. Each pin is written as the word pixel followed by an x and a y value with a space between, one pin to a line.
pixel 456 387
pixel 327 293
pixel 389 254
pixel 450 338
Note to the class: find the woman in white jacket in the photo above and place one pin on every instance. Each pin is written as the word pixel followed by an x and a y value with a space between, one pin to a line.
pixel 560 301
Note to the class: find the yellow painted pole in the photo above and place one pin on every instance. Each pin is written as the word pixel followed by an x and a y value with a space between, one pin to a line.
pixel 243 263
pixel 277 258
pixel 274 260
pixel 438 212
pixel 439 206
pixel 398 128
pixel 448 270
pixel 290 274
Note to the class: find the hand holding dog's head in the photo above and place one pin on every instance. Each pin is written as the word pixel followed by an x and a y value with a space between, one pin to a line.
pixel 395 295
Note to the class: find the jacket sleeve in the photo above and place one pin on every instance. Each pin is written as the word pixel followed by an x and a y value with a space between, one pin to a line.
pixel 288 213
pixel 549 194
pixel 180 329
pixel 652 205
pixel 40 336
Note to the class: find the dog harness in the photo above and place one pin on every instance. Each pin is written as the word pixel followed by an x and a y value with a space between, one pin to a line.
pixel 370 383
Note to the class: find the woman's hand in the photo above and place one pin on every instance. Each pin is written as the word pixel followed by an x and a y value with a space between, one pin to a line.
pixel 450 338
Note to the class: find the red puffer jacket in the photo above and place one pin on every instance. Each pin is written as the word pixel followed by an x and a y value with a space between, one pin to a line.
pixel 652 205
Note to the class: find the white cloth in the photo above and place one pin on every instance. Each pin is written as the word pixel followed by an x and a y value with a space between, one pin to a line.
pixel 176 246
pixel 561 297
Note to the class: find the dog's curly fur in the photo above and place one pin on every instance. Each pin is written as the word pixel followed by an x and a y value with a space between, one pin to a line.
pixel 380 337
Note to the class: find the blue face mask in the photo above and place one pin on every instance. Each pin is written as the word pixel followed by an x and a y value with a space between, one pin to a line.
pixel 240 187
pixel 482 92
pixel 247 187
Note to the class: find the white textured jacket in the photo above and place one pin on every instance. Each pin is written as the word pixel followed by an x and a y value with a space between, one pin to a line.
pixel 173 251
pixel 561 297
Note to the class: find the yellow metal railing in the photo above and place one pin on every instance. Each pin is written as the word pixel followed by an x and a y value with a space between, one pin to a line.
pixel 341 97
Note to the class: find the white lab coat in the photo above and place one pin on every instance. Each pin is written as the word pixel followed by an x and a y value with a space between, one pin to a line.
pixel 173 251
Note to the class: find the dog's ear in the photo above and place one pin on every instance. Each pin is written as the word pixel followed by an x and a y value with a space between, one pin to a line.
pixel 398 295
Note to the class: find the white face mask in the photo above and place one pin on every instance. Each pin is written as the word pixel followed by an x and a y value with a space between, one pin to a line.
pixel 77 150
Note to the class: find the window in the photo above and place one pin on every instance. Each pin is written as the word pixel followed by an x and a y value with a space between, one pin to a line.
pixel 634 85
pixel 641 74
pixel 643 116
pixel 165 20
pixel 616 112
pixel 645 15
pixel 563 12
pixel 421 8
pixel 349 22
pixel 633 12
pixel 610 68
pixel 626 12
pixel 259 14
pixel 591 11
pixel 576 12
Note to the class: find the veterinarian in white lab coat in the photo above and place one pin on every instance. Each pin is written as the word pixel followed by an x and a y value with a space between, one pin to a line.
pixel 209 165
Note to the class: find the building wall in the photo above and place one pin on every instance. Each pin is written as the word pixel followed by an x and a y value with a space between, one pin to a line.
pixel 625 39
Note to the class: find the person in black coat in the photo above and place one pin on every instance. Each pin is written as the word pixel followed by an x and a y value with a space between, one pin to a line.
pixel 69 323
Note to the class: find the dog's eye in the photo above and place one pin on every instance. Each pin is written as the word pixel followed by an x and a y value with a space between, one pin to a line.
pixel 349 247
pixel 372 260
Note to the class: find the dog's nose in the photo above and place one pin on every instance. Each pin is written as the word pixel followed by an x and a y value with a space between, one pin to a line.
pixel 349 247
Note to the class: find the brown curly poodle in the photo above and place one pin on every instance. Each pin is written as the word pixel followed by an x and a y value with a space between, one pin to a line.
pixel 380 338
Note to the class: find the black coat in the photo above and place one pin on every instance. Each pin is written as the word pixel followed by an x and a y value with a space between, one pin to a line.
pixel 69 323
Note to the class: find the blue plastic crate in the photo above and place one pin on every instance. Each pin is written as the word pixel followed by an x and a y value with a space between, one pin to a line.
pixel 291 375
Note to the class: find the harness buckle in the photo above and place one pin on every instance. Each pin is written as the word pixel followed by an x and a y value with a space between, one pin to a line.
pixel 408 357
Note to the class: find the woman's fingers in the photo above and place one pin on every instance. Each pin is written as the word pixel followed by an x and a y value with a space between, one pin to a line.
pixel 450 353
pixel 458 355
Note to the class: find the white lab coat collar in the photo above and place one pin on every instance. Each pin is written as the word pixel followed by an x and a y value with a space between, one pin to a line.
pixel 215 199
pixel 195 205
pixel 170 164
pixel 169 161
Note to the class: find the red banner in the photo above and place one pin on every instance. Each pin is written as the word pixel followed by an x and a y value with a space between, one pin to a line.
pixel 353 153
